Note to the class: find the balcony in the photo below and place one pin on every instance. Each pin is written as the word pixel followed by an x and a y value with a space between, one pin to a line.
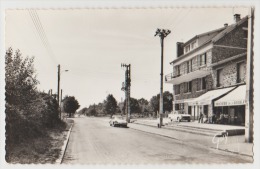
pixel 185 75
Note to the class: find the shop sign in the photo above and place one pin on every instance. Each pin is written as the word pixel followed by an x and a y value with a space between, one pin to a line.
pixel 231 103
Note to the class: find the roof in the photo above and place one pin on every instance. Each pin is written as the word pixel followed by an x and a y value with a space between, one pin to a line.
pixel 203 34
pixel 225 30
pixel 229 29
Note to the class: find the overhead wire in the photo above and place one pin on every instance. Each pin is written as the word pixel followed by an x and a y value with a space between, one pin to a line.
pixel 42 35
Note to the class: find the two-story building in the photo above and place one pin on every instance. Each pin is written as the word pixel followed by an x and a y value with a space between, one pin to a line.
pixel 210 70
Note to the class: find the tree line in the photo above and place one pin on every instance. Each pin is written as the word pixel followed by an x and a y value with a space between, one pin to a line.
pixel 30 113
pixel 140 107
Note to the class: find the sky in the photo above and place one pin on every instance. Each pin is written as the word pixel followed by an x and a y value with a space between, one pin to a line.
pixel 92 44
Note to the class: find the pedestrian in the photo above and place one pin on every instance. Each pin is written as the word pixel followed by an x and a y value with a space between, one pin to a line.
pixel 213 118
pixel 221 118
pixel 201 118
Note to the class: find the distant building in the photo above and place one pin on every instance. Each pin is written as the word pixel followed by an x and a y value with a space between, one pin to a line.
pixel 209 73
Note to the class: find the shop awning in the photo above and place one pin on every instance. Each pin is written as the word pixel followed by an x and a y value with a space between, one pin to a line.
pixel 234 98
pixel 207 98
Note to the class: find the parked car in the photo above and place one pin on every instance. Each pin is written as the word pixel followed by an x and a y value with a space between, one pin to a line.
pixel 118 121
pixel 179 116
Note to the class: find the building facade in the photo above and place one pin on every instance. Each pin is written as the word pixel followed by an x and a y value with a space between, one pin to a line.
pixel 210 67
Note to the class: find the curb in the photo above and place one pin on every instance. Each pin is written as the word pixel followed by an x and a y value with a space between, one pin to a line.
pixel 234 152
pixel 63 149
pixel 193 144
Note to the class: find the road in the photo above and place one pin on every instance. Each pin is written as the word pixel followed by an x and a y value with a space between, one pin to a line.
pixel 92 140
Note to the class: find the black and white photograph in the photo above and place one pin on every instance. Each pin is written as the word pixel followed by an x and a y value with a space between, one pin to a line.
pixel 139 85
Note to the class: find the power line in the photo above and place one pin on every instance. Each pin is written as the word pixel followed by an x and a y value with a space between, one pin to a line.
pixel 40 30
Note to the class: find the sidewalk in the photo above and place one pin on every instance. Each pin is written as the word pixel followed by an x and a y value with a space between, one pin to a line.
pixel 234 144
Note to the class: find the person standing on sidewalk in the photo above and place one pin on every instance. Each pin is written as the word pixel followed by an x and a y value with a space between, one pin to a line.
pixel 201 118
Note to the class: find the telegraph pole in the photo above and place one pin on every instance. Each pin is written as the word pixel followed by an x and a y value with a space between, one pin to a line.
pixel 162 33
pixel 58 91
pixel 126 88
pixel 249 80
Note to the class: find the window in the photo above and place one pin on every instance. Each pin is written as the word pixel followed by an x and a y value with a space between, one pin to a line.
pixel 241 72
pixel 178 70
pixel 187 87
pixel 190 86
pixel 179 106
pixel 177 89
pixel 188 66
pixel 191 65
pixel 202 59
pixel 193 45
pixel 203 83
pixel 220 77
pixel 199 85
pixel 187 48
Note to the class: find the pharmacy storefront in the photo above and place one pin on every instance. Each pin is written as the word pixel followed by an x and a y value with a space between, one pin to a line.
pixel 204 103
pixel 232 106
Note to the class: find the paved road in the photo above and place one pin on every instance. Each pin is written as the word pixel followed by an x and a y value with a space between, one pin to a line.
pixel 92 140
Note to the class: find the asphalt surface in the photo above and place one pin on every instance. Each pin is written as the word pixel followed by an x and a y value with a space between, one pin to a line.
pixel 93 141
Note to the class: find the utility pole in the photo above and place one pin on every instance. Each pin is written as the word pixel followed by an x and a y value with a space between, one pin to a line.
pixel 162 33
pixel 249 80
pixel 60 101
pixel 58 91
pixel 126 88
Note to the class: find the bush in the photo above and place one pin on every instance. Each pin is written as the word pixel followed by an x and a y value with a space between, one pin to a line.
pixel 29 113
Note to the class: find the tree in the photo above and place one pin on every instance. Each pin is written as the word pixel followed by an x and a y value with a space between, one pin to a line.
pixel 167 102
pixel 110 105
pixel 20 79
pixel 144 106
pixel 154 102
pixel 134 106
pixel 70 105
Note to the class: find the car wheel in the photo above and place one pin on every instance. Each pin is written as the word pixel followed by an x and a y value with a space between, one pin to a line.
pixel 188 120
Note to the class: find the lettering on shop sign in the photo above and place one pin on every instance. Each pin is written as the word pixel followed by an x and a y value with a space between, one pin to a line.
pixel 230 103
pixel 220 138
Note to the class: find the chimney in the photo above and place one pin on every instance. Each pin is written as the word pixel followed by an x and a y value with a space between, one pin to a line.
pixel 225 25
pixel 179 48
pixel 237 17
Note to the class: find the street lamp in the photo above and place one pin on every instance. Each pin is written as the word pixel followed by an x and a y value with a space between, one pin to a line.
pixel 162 33
pixel 58 91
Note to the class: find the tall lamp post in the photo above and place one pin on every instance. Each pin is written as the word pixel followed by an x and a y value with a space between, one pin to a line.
pixel 58 91
pixel 162 33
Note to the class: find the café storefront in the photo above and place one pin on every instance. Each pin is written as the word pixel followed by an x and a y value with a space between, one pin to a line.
pixel 232 106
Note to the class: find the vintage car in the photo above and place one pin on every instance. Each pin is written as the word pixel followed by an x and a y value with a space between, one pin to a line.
pixel 179 116
pixel 118 121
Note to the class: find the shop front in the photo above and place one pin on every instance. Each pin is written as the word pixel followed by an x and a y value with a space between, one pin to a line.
pixel 230 109
pixel 204 103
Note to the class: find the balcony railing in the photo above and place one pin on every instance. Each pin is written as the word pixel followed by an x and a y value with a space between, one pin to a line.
pixel 185 70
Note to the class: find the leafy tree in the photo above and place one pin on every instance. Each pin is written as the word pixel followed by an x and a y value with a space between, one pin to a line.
pixel 70 105
pixel 20 79
pixel 154 102
pixel 111 105
pixel 167 102
pixel 134 106
pixel 144 106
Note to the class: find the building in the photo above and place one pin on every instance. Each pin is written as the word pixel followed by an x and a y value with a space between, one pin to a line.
pixel 209 73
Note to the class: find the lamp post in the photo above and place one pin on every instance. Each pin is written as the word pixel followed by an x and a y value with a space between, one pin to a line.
pixel 162 33
pixel 58 90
